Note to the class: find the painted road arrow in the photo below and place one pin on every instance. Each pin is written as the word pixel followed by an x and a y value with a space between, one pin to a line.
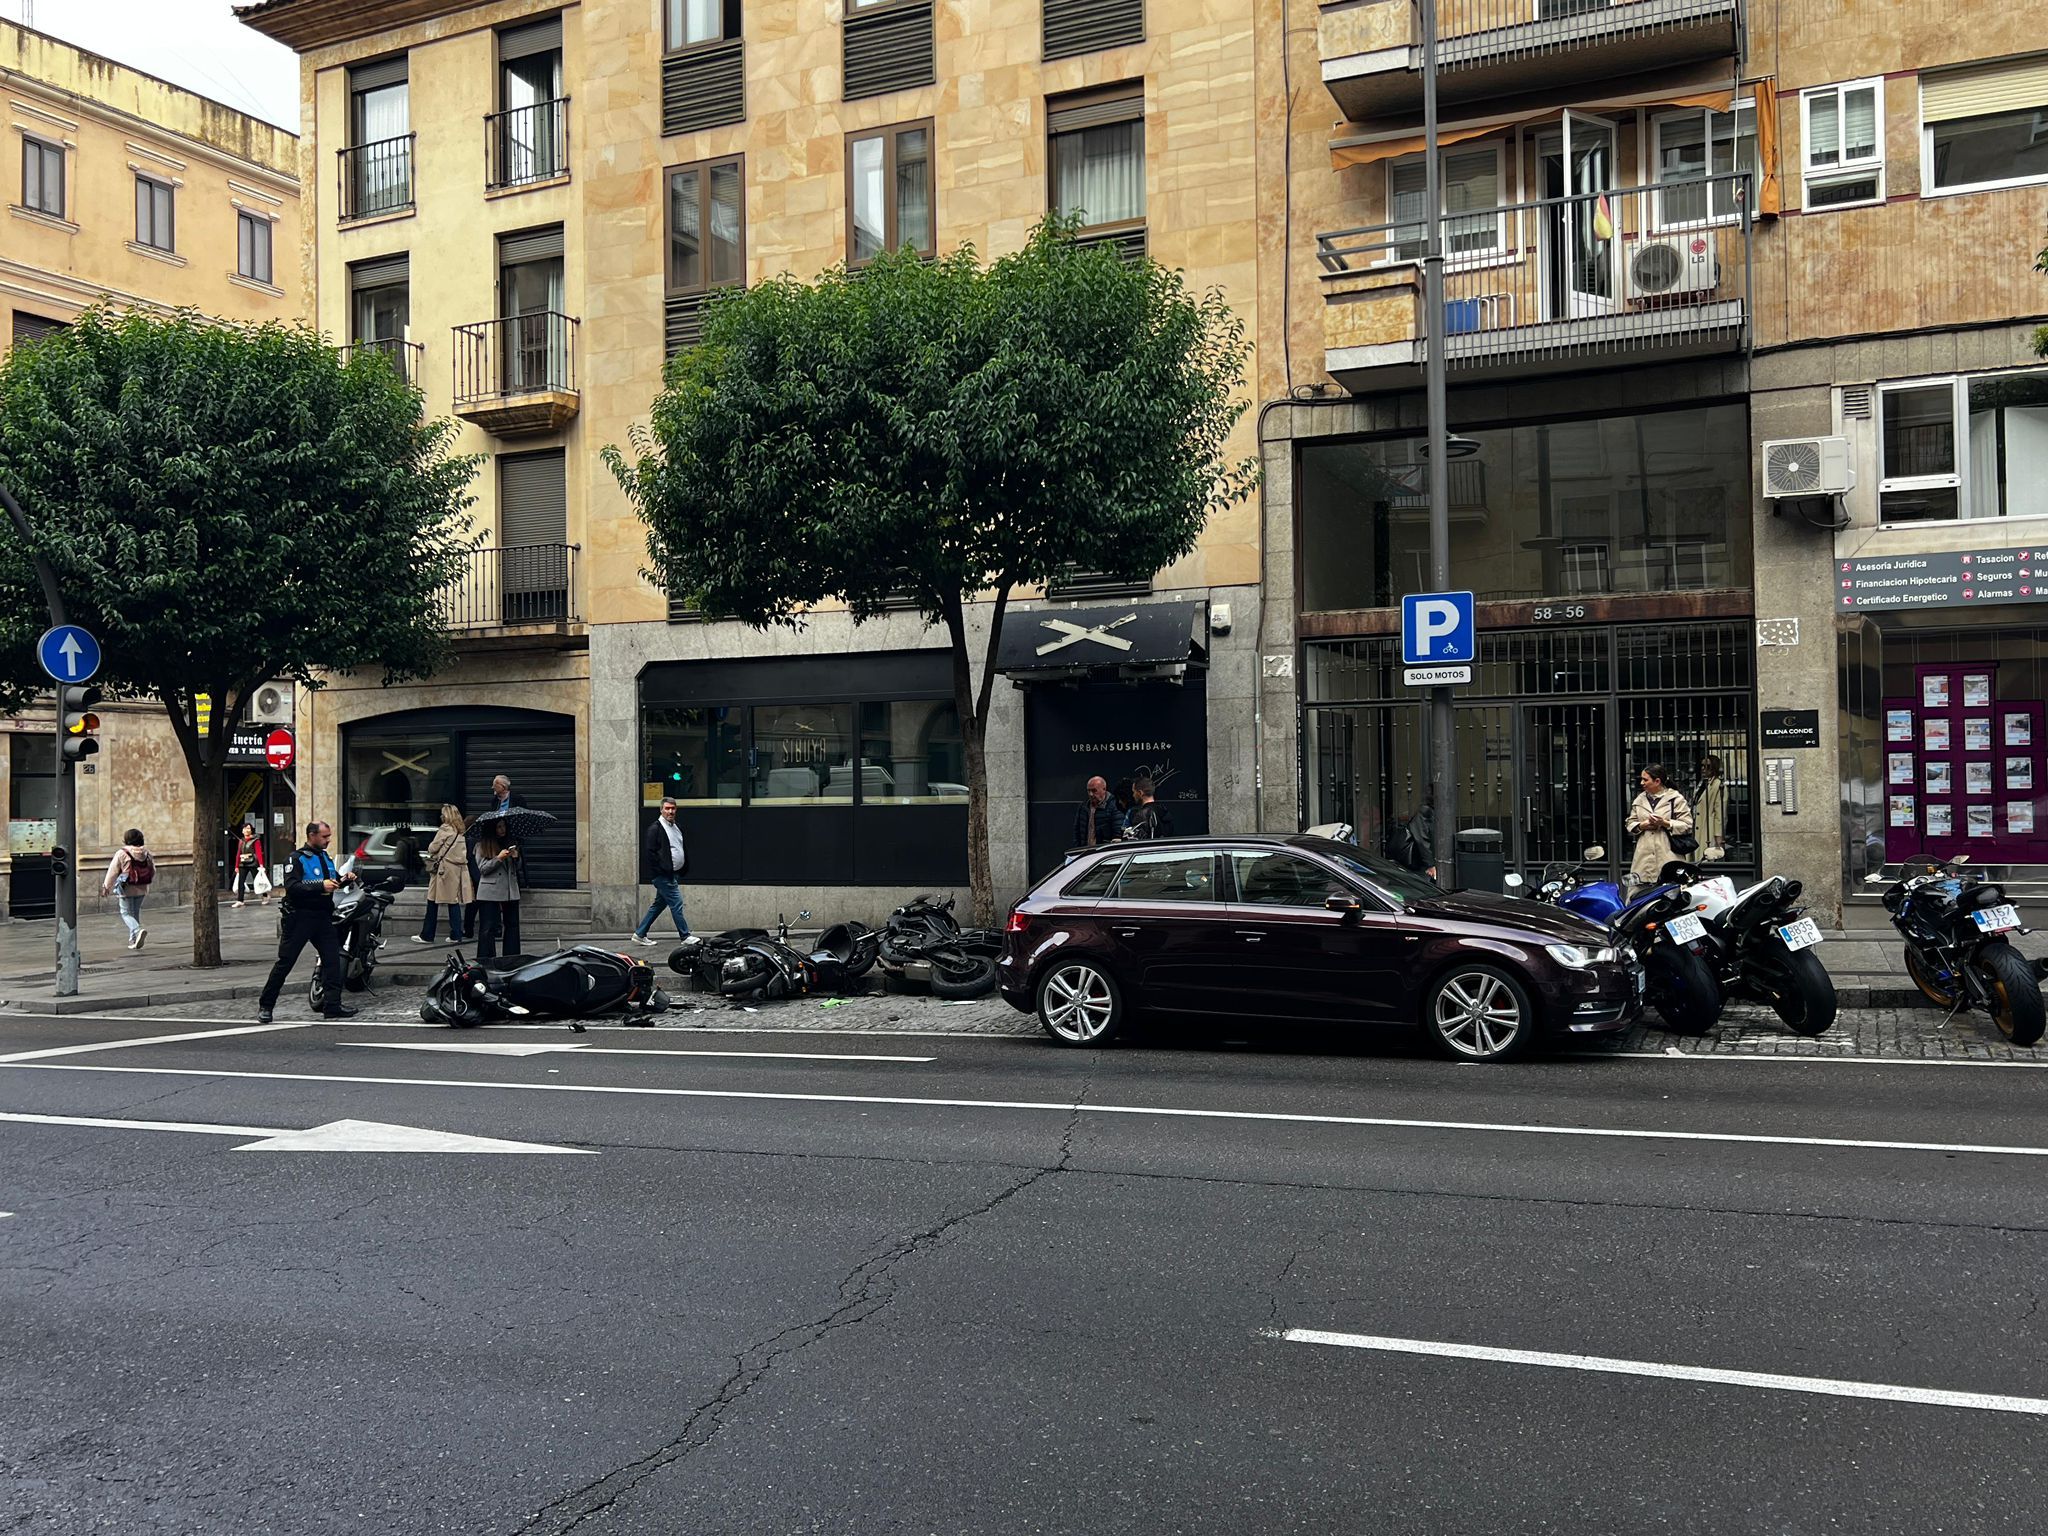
pixel 335 1136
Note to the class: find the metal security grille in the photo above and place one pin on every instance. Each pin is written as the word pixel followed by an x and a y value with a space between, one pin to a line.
pixel 705 87
pixel 1078 583
pixel 1085 26
pixel 889 48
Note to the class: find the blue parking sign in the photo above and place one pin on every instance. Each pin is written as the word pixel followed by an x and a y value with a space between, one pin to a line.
pixel 1437 629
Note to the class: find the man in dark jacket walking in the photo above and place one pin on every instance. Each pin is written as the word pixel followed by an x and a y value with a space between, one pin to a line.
pixel 662 865
pixel 1096 820
pixel 310 881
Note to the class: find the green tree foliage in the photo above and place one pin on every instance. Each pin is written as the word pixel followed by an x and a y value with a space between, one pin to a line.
pixel 223 505
pixel 945 430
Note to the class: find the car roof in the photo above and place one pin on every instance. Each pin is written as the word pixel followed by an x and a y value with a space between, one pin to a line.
pixel 1210 840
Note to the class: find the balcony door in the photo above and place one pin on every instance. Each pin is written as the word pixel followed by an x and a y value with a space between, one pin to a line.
pixel 530 300
pixel 1580 218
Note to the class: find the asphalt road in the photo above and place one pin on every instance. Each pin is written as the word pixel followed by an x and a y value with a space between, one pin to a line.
pixel 1006 1287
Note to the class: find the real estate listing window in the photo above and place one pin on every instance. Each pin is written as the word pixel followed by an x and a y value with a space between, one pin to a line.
pixel 1985 126
pixel 1843 135
pixel 1692 146
pixel 1474 223
pixel 155 215
pixel 1973 447
pixel 889 191
pixel 252 247
pixel 42 177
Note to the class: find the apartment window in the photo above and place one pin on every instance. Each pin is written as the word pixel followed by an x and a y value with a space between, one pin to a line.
pixel 706 226
pixel 252 247
pixel 529 134
pixel 155 215
pixel 703 78
pixel 1471 187
pixel 889 191
pixel 380 299
pixel 1964 447
pixel 530 310
pixel 1693 146
pixel 1844 138
pixel 1985 126
pixel 42 177
pixel 377 164
pixel 1098 156
pixel 533 537
pixel 1919 430
pixel 702 21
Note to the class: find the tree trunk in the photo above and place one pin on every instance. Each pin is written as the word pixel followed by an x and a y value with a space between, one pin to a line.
pixel 973 736
pixel 206 830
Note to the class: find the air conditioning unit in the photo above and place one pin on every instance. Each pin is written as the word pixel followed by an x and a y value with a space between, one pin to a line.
pixel 1673 265
pixel 271 705
pixel 1807 466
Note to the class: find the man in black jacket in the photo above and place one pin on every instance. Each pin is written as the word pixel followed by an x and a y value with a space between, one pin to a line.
pixel 310 882
pixel 1096 820
pixel 662 865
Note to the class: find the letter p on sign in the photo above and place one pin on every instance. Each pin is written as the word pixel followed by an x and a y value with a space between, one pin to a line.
pixel 1436 627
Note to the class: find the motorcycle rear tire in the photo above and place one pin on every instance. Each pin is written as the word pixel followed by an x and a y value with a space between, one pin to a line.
pixel 316 993
pixel 1922 972
pixel 966 977
pixel 1806 999
pixel 2016 1006
pixel 1683 990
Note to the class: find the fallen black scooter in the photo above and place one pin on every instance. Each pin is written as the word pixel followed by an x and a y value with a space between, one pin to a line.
pixel 572 984
pixel 962 960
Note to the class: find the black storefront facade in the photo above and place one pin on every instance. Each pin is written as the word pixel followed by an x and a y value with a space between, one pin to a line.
pixel 252 791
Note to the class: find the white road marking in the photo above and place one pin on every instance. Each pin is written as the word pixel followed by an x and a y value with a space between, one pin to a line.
pixel 1992 1402
pixel 335 1136
pixel 117 1045
pixel 1804 1061
pixel 1161 1111
pixel 511 1048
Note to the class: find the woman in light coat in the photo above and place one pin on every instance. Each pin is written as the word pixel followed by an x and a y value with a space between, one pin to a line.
pixel 1710 809
pixel 1659 813
pixel 448 883
pixel 497 894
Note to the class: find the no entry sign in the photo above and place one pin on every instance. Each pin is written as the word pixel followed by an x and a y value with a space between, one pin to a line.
pixel 279 749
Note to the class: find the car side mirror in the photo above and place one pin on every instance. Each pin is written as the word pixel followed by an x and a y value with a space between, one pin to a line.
pixel 1344 904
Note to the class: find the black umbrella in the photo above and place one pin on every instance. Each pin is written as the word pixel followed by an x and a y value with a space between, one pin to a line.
pixel 514 824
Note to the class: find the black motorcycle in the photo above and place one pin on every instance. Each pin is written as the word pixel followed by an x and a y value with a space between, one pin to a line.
pixel 1957 928
pixel 359 922
pixel 1760 944
pixel 746 963
pixel 1677 980
pixel 573 984
pixel 962 960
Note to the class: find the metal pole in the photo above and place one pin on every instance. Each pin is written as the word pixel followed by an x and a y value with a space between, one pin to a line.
pixel 66 869
pixel 1442 773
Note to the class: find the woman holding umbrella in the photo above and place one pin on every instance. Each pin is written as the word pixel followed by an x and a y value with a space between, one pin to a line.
pixel 496 836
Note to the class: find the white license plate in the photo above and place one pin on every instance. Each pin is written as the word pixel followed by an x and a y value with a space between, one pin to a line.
pixel 1803 934
pixel 1996 919
pixel 1685 927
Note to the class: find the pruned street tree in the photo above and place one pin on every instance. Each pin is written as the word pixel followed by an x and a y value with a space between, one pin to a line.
pixel 224 505
pixel 943 431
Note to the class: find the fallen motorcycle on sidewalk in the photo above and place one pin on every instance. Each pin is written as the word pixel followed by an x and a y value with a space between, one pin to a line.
pixel 573 984
pixel 961 961
pixel 749 964
pixel 1958 929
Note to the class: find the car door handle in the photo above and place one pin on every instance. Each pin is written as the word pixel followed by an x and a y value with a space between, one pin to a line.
pixel 1125 933
pixel 1250 935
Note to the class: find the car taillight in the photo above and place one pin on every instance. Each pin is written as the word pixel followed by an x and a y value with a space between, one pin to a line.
pixel 1018 923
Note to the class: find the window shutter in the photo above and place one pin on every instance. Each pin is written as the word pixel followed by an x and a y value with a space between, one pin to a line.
pixel 380 272
pixel 683 321
pixel 530 245
pixel 28 327
pixel 370 77
pixel 889 49
pixel 533 504
pixel 704 87
pixel 1120 106
pixel 2007 85
pixel 533 37
pixel 1085 26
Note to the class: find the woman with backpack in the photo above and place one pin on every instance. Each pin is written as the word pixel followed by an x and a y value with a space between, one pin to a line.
pixel 129 873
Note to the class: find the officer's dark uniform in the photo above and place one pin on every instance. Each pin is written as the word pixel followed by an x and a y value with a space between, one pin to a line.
pixel 308 919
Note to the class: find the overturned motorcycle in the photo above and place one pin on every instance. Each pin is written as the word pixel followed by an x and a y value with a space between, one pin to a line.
pixel 744 963
pixel 572 984
pixel 962 961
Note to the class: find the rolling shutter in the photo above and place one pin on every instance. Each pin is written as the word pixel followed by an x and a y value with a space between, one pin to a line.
pixel 2008 85
pixel 889 48
pixel 533 503
pixel 28 327
pixel 532 37
pixel 380 272
pixel 704 87
pixel 530 245
pixel 1085 26
pixel 374 76
pixel 1097 109
pixel 541 763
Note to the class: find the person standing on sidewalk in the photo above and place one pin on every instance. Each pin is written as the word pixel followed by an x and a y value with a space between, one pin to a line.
pixel 248 864
pixel 310 881
pixel 1095 819
pixel 497 893
pixel 662 865
pixel 129 873
pixel 448 882
pixel 1658 816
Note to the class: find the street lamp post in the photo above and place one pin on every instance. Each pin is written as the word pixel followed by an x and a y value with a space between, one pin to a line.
pixel 1442 773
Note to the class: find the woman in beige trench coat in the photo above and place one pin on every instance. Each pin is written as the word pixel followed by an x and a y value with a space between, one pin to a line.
pixel 1659 812
pixel 448 883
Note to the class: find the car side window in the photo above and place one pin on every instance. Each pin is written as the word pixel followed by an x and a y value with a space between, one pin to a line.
pixel 1168 877
pixel 1280 880
pixel 1096 881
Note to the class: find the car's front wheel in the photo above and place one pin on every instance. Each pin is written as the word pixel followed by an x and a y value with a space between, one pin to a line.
pixel 1479 1013
pixel 1079 1003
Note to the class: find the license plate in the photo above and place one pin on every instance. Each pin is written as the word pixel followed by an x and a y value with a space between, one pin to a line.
pixel 1803 934
pixel 1685 927
pixel 1996 919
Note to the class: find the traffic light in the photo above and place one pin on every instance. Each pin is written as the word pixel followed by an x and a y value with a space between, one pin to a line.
pixel 60 863
pixel 80 723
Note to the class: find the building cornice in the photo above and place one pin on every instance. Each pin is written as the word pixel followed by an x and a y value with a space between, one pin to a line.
pixel 128 123
pixel 303 25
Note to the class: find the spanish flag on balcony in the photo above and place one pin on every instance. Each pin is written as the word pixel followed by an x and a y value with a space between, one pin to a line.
pixel 1603 219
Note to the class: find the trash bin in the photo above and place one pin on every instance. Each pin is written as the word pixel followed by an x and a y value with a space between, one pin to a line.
pixel 1482 860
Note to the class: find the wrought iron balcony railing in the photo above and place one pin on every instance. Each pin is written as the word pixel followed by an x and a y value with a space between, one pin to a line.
pixel 515 585
pixel 526 144
pixel 515 355
pixel 404 356
pixel 376 178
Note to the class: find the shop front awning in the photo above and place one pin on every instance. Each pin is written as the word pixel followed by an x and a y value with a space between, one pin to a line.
pixel 1125 640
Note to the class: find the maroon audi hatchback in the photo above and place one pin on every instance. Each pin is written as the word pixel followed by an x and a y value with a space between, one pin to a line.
pixel 1303 929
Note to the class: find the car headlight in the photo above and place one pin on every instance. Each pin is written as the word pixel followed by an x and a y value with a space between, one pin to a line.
pixel 1577 958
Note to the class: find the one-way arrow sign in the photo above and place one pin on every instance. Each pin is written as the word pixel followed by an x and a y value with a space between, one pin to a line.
pixel 335 1136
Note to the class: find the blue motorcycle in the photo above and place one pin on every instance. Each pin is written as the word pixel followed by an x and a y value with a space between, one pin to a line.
pixel 1678 982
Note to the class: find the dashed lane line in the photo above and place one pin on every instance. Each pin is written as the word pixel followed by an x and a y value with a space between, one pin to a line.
pixel 91 1047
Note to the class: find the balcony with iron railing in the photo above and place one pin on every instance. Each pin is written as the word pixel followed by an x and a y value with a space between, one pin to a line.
pixel 1552 285
pixel 516 376
pixel 1371 50
pixel 526 146
pixel 529 589
pixel 376 179
pixel 403 356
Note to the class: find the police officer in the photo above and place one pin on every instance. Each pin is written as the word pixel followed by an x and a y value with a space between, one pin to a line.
pixel 309 885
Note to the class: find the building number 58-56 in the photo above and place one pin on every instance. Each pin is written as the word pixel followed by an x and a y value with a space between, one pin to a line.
pixel 1548 611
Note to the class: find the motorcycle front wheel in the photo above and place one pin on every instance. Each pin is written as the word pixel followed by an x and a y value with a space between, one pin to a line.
pixel 1682 990
pixel 316 993
pixel 1806 994
pixel 2016 1005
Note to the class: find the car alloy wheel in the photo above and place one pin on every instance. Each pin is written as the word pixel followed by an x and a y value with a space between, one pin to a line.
pixel 1479 1015
pixel 1079 1005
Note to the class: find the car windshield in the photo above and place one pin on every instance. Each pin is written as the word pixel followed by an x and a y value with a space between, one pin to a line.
pixel 1406 886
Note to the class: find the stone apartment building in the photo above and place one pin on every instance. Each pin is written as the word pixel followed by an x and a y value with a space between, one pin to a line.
pixel 122 188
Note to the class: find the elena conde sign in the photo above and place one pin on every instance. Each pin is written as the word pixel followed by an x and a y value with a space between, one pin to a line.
pixel 1951 579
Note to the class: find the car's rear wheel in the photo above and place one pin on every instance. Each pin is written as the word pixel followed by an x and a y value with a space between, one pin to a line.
pixel 1079 1003
pixel 1479 1013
